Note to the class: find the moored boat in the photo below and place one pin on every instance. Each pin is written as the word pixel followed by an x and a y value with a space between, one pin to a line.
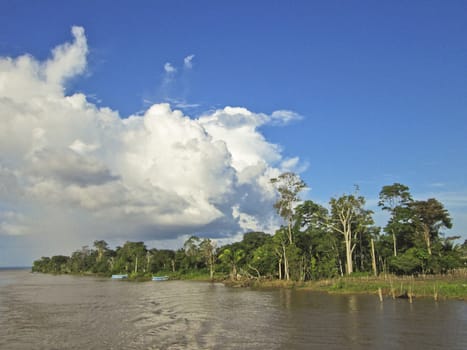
pixel 119 277
pixel 160 278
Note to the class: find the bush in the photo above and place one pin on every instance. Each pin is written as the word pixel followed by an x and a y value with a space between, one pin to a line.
pixel 413 261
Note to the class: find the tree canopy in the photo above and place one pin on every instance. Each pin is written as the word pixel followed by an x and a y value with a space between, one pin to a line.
pixel 316 242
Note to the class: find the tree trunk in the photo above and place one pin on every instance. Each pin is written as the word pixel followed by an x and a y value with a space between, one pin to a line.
pixel 286 263
pixel 395 243
pixel 373 258
pixel 148 261
pixel 290 232
pixel 340 266
pixel 303 269
pixel 234 272
pixel 426 236
pixel 348 252
pixel 211 270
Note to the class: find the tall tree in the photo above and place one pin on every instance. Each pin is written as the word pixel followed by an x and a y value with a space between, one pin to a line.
pixel 162 260
pixel 280 241
pixel 101 247
pixel 392 198
pixel 430 217
pixel 208 250
pixel 315 240
pixel 193 252
pixel 289 185
pixel 131 257
pixel 348 217
pixel 82 260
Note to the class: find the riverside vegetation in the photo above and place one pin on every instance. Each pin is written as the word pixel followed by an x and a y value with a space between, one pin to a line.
pixel 336 250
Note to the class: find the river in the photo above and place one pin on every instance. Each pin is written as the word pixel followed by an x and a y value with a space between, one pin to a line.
pixel 40 311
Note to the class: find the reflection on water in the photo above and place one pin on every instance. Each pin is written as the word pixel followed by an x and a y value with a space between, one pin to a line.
pixel 65 312
pixel 352 303
pixel 285 297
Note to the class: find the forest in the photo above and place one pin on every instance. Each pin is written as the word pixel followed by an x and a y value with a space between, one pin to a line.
pixel 314 243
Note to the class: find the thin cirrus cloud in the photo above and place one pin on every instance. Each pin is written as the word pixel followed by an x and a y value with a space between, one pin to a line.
pixel 175 86
pixel 169 68
pixel 69 168
pixel 188 62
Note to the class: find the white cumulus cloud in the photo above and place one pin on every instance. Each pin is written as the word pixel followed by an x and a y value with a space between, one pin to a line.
pixel 73 172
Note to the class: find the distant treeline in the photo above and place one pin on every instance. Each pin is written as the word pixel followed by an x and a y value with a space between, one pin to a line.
pixel 314 243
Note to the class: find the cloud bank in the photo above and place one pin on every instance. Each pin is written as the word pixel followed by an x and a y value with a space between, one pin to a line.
pixel 73 172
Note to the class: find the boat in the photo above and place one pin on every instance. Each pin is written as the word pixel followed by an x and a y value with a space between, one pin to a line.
pixel 119 277
pixel 160 278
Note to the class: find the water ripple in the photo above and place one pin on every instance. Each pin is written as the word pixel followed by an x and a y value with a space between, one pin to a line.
pixel 66 312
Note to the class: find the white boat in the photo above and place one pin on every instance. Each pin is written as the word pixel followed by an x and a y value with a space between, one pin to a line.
pixel 119 277
pixel 160 278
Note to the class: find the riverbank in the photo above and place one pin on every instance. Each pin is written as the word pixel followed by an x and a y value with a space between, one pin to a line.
pixel 437 287
pixel 430 286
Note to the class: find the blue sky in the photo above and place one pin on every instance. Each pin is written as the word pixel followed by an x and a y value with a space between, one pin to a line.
pixel 381 87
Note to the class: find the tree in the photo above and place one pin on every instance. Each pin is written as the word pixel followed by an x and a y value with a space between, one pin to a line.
pixel 193 252
pixel 232 257
pixel 41 265
pixel 394 195
pixel 413 260
pixel 450 256
pixel 253 240
pixel 130 257
pixel 265 258
pixel 318 244
pixel 101 262
pixel 280 241
pixel 162 260
pixel 391 198
pixel 429 217
pixel 349 218
pixel 59 264
pixel 208 251
pixel 101 247
pixel 289 186
pixel 82 260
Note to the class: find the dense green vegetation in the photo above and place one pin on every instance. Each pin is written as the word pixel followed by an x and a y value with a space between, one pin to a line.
pixel 315 243
pixel 452 285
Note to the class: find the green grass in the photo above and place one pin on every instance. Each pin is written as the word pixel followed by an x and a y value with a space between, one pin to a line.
pixel 432 286
pixel 437 287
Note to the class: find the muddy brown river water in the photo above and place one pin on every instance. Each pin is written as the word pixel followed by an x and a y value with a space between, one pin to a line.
pixel 67 312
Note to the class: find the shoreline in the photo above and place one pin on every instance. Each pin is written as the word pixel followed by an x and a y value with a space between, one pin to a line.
pixel 437 287
pixel 388 286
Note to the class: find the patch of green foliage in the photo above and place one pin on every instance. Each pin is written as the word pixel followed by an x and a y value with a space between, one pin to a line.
pixel 317 247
